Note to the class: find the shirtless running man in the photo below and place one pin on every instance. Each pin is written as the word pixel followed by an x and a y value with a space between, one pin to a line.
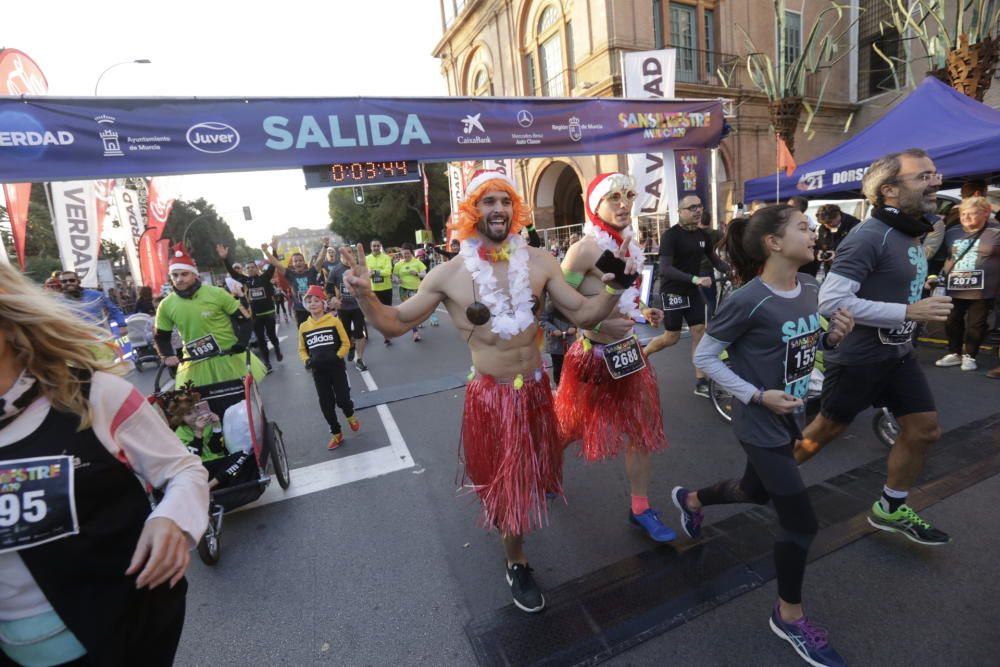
pixel 492 290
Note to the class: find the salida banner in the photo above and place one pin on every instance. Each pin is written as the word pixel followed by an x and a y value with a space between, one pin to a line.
pixel 55 139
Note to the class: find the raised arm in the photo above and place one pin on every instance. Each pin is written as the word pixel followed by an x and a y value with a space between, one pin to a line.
pixel 391 321
pixel 272 260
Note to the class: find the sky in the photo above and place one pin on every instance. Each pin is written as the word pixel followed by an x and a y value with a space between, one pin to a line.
pixel 223 48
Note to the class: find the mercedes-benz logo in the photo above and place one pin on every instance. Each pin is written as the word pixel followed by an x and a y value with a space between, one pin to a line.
pixel 524 118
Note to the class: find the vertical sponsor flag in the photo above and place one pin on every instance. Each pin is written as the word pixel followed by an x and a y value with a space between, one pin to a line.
pixel 651 75
pixel 74 205
pixel 19 75
pixel 153 255
pixel 693 170
pixel 132 226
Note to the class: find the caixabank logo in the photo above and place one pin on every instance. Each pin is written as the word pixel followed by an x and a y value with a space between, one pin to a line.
pixel 22 136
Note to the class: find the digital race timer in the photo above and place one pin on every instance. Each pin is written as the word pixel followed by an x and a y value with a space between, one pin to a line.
pixel 352 174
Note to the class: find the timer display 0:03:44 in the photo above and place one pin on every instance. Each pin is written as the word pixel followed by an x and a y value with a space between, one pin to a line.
pixel 367 171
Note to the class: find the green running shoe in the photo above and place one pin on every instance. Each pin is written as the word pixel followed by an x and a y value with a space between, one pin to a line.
pixel 906 521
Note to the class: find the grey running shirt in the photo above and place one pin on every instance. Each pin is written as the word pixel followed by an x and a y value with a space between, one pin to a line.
pixel 890 267
pixel 336 277
pixel 772 343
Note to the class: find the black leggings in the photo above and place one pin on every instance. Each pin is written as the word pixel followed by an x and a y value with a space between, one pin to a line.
pixel 264 325
pixel 771 474
pixel 967 324
pixel 281 308
pixel 333 392
pixel 557 364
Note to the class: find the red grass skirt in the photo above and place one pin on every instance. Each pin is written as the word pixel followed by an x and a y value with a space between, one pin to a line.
pixel 608 415
pixel 512 451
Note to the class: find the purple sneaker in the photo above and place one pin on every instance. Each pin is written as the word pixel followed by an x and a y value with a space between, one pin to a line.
pixel 690 520
pixel 809 640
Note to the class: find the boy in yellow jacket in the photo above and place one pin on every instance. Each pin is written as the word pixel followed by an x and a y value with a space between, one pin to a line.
pixel 323 344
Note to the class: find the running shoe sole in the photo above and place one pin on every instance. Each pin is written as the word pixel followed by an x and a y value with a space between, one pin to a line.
pixel 913 538
pixel 510 582
pixel 778 631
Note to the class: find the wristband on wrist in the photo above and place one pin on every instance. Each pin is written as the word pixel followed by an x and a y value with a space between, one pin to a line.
pixel 612 291
pixel 694 280
pixel 597 328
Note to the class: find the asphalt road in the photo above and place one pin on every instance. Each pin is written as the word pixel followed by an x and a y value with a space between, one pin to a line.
pixel 383 562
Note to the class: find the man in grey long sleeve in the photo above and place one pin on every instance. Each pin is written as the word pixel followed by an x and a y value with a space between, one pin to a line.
pixel 878 275
pixel 682 249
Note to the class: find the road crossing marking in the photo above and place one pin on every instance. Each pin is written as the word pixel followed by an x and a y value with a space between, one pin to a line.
pixel 337 472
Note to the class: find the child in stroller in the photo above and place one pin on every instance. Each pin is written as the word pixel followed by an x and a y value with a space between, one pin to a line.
pixel 200 430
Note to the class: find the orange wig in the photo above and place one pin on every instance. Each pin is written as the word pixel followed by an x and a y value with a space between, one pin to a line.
pixel 463 223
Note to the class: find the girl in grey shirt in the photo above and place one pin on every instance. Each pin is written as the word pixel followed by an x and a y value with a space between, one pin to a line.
pixel 771 328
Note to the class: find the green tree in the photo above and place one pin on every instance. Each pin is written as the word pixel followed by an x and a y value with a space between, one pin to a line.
pixel 392 212
pixel 205 227
pixel 40 238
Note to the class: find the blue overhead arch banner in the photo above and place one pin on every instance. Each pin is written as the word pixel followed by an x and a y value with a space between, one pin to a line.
pixel 55 139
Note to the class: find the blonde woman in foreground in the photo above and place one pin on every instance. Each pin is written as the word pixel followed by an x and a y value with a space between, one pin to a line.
pixel 88 575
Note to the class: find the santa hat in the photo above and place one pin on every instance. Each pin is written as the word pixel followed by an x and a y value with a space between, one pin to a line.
pixel 316 291
pixel 180 260
pixel 483 176
pixel 603 185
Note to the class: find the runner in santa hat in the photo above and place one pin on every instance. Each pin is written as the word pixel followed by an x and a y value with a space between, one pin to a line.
pixel 208 320
pixel 608 397
pixel 510 441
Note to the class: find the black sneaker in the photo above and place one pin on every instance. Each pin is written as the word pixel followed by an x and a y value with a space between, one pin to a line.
pixel 277 354
pixel 269 369
pixel 523 588
pixel 350 354
pixel 904 520
pixel 701 388
pixel 360 365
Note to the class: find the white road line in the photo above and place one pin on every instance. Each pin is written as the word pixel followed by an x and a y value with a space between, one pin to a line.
pixel 328 474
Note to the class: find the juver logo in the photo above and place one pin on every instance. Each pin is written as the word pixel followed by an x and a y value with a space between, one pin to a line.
pixel 213 137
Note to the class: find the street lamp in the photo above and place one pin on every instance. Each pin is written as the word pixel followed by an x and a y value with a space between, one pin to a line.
pixel 141 61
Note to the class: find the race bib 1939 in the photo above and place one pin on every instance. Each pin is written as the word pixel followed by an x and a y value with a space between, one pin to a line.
pixel 624 357
pixel 202 348
pixel 36 501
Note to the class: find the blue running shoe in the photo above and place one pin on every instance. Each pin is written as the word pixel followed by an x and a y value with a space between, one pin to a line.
pixel 809 640
pixel 690 520
pixel 650 522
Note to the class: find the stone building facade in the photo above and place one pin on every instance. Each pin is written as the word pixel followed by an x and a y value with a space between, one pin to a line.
pixel 573 48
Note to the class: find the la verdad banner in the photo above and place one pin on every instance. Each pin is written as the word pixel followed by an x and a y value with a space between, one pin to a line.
pixel 51 139
pixel 74 205
pixel 651 74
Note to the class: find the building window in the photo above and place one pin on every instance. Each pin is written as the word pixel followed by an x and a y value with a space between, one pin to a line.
pixel 709 42
pixel 684 38
pixel 550 52
pixel 449 11
pixel 658 42
pixel 549 49
pixel 792 37
pixel 875 75
pixel 481 84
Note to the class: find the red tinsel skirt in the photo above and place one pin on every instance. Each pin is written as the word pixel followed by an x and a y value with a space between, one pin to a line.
pixel 608 415
pixel 512 451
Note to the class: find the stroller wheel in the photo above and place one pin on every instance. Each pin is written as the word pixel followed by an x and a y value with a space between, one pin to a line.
pixel 209 547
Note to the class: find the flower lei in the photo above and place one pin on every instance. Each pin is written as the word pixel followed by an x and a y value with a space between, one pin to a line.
pixel 509 315
pixel 628 304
